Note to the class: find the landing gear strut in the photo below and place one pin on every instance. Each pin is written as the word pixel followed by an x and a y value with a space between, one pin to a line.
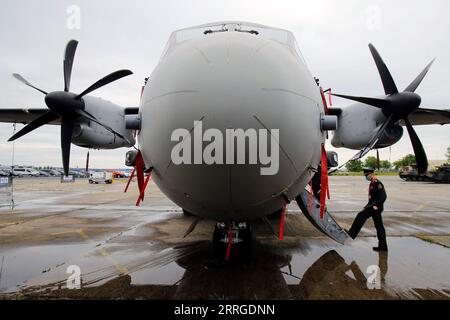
pixel 231 239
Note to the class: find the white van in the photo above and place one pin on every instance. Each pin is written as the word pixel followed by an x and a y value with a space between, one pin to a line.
pixel 102 176
pixel 25 172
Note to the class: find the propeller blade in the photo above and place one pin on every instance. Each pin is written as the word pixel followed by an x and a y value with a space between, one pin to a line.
pixel 378 160
pixel 68 62
pixel 66 140
pixel 87 162
pixel 22 79
pixel 36 123
pixel 413 85
pixel 105 80
pixel 375 102
pixel 90 117
pixel 385 75
pixel 419 152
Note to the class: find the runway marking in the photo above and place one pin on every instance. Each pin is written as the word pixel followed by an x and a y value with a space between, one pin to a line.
pixel 424 204
pixel 104 253
pixel 82 234
pixel 11 223
pixel 62 232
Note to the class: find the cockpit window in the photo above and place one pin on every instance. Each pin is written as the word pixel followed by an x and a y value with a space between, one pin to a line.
pixel 193 33
pixel 223 28
pixel 281 36
pixel 248 31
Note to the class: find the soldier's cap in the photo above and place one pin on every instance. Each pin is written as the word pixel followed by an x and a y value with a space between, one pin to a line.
pixel 367 171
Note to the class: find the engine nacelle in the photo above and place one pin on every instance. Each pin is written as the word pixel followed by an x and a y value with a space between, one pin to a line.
pixel 89 134
pixel 95 137
pixel 391 135
pixel 358 123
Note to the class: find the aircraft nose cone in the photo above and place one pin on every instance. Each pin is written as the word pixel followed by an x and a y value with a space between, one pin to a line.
pixel 231 82
pixel 63 102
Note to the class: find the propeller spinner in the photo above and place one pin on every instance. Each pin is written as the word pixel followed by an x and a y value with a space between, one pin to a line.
pixel 66 105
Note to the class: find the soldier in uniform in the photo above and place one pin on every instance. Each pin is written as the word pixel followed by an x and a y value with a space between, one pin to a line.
pixel 377 197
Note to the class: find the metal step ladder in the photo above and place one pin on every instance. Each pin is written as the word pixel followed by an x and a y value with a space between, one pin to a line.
pixel 327 225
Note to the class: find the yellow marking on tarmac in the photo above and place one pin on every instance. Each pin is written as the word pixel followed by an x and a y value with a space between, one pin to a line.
pixel 11 223
pixel 104 253
pixel 82 234
pixel 61 233
pixel 423 205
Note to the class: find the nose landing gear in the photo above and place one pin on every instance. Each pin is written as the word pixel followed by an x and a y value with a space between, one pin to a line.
pixel 231 240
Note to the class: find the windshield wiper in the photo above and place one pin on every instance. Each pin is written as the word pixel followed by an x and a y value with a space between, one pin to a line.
pixel 214 31
pixel 248 31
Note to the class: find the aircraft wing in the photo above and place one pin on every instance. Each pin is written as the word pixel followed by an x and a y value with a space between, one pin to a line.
pixel 429 116
pixel 27 115
pixel 23 115
pixel 421 116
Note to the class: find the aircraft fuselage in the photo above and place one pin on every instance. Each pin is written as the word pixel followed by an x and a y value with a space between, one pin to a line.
pixel 246 112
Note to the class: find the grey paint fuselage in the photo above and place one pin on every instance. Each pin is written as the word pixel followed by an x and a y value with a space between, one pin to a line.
pixel 232 80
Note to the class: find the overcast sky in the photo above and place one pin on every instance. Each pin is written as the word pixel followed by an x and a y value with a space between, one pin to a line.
pixel 333 36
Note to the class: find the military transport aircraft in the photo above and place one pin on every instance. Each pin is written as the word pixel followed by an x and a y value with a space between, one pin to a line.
pixel 232 125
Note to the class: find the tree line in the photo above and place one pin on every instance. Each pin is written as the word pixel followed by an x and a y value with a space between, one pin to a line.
pixel 371 162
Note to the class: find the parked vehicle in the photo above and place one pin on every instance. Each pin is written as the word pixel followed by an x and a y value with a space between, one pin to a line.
pixel 127 173
pixel 437 174
pixel 25 172
pixel 100 176
pixel 441 174
pixel 43 173
pixel 52 172
pixel 119 174
pixel 77 174
pixel 34 172
pixel 6 169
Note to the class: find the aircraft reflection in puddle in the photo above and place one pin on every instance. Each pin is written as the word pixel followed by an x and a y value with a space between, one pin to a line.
pixel 259 275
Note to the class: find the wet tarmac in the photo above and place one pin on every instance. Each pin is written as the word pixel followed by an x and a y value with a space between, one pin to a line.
pixel 130 252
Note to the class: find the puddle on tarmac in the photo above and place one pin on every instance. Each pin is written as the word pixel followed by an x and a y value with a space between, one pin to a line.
pixel 24 263
pixel 314 268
